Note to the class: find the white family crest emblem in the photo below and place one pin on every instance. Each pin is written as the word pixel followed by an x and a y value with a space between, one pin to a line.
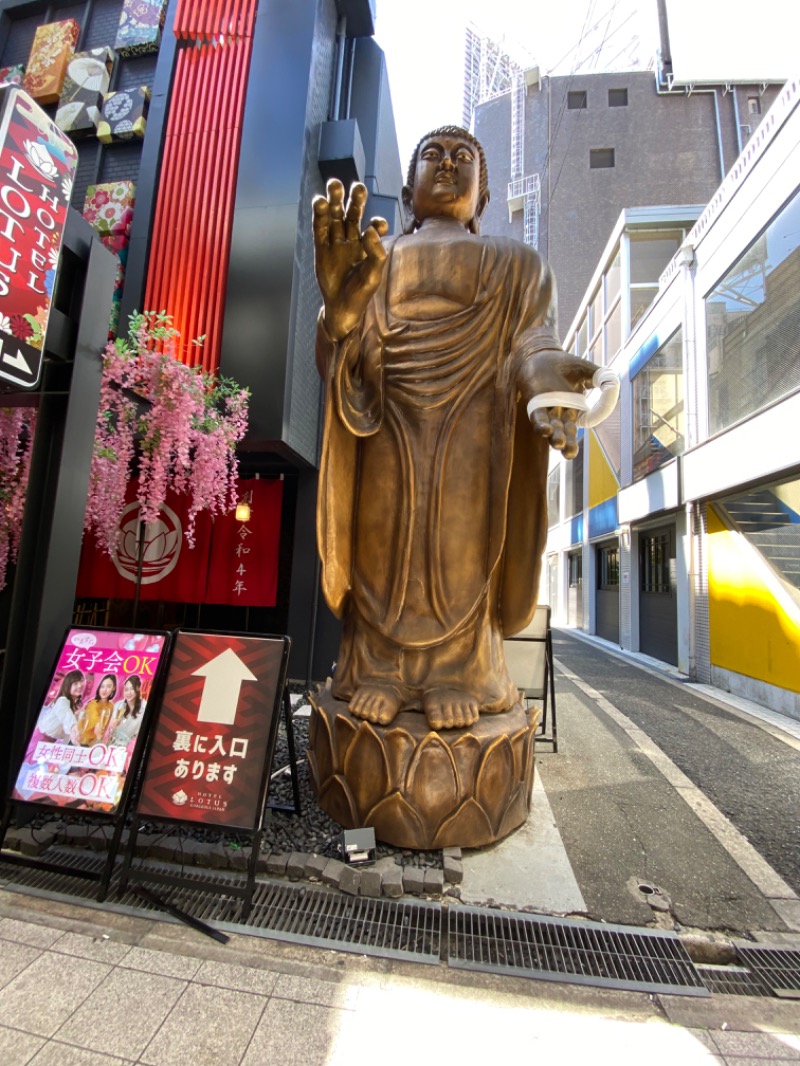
pixel 163 540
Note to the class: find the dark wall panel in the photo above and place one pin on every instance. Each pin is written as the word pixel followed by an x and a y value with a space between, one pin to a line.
pixel 258 303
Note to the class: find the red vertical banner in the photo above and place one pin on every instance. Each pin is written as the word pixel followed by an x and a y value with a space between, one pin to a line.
pixel 215 734
pixel 171 570
pixel 244 555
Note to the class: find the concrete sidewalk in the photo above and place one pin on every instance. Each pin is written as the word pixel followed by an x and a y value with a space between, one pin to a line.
pixel 80 987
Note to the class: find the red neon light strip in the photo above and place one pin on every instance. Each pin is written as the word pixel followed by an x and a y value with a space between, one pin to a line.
pixel 188 267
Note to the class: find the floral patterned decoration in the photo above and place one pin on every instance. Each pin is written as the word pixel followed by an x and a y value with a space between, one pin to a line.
pixel 12 75
pixel 51 52
pixel 88 75
pixel 140 25
pixel 109 208
pixel 118 244
pixel 17 427
pixel 124 115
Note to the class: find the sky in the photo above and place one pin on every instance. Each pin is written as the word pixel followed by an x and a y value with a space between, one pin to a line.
pixel 424 44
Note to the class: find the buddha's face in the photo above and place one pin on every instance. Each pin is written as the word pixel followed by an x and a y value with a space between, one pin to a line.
pixel 446 180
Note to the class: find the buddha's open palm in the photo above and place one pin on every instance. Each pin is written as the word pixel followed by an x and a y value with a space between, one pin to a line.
pixel 348 262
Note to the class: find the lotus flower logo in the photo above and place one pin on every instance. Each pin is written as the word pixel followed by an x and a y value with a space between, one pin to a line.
pixel 179 797
pixel 162 545
pixel 40 159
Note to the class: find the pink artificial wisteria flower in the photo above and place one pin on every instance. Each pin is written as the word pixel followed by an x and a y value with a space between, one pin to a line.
pixel 186 440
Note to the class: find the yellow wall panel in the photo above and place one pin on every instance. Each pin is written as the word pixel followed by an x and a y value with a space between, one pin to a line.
pixel 750 631
pixel 603 484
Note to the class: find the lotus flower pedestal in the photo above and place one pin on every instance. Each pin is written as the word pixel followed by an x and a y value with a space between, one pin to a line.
pixel 418 788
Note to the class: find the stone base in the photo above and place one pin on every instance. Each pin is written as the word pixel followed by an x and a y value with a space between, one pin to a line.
pixel 418 788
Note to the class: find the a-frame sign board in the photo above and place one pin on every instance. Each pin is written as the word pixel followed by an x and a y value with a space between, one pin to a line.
pixel 83 754
pixel 212 748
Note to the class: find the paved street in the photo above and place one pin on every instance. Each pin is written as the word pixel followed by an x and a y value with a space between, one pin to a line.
pixel 657 784
pixel 625 815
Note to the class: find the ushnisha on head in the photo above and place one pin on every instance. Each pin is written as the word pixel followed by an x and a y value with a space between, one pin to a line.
pixel 447 178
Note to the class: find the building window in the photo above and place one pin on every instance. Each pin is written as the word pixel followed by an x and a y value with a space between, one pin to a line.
pixel 658 409
pixel 654 568
pixel 574 484
pixel 651 251
pixel 753 325
pixel 608 568
pixel 554 496
pixel 576 101
pixel 754 105
pixel 769 517
pixel 599 336
pixel 575 570
pixel 617 97
pixel 601 158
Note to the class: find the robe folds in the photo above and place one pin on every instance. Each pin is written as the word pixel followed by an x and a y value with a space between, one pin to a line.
pixel 431 516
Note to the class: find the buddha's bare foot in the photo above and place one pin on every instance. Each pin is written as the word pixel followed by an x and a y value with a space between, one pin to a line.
pixel 376 702
pixel 450 708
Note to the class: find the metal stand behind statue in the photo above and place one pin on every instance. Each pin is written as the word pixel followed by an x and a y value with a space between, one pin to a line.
pixel 529 656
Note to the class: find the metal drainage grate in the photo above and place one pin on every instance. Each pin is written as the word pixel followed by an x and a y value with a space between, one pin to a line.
pixel 199 903
pixel 73 886
pixel 380 927
pixel 779 970
pixel 588 953
pixel 385 928
pixel 731 981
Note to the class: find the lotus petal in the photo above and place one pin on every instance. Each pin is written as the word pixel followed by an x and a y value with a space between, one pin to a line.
pixel 516 813
pixel 530 763
pixel 432 782
pixel 397 823
pixel 155 549
pixel 466 752
pixel 400 746
pixel 518 747
pixel 316 784
pixel 344 729
pixel 336 800
pixel 467 828
pixel 320 742
pixel 366 769
pixel 495 780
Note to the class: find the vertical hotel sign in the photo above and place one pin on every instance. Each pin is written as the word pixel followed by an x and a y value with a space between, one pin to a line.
pixel 37 167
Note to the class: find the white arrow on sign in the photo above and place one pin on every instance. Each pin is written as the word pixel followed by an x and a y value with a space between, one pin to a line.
pixel 18 361
pixel 224 676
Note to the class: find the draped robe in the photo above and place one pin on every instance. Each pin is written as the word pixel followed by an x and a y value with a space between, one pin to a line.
pixel 431 515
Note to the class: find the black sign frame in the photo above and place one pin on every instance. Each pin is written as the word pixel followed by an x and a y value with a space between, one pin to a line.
pixel 138 876
pixel 115 818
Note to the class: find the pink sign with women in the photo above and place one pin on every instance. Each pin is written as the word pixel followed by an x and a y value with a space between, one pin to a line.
pixel 90 723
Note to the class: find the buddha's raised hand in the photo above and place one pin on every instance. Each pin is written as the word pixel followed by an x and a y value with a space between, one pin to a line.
pixel 348 262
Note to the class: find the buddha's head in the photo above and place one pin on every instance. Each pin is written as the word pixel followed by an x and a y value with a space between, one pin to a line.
pixel 447 178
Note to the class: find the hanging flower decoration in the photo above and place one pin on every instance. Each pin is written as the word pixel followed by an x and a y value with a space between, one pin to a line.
pixel 17 427
pixel 186 439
